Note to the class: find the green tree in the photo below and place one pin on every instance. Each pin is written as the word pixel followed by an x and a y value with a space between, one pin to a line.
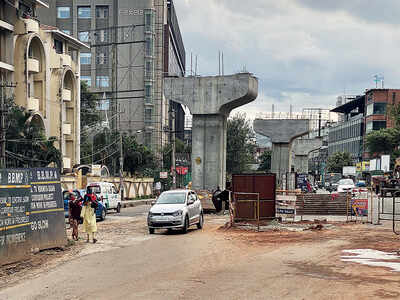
pixel 27 145
pixel 265 161
pixel 337 161
pixel 383 141
pixel 240 146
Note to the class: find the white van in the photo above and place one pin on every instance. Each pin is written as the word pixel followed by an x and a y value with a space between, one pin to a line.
pixel 107 194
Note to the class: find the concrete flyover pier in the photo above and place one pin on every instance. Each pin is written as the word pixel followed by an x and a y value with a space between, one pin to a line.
pixel 281 133
pixel 210 100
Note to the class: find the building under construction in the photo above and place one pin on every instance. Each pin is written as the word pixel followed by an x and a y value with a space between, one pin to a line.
pixel 134 45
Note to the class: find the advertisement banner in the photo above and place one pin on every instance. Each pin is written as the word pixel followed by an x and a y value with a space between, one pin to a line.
pixel 385 163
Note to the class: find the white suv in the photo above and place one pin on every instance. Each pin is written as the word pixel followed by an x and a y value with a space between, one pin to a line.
pixel 176 209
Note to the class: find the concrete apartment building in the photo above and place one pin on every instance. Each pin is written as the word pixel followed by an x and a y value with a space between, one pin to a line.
pixel 149 47
pixel 43 63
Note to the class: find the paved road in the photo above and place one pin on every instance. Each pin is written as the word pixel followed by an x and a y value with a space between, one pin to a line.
pixel 140 210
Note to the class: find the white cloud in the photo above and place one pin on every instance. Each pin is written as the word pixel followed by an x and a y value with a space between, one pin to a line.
pixel 304 53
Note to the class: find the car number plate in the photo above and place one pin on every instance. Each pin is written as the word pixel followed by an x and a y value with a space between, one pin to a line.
pixel 162 218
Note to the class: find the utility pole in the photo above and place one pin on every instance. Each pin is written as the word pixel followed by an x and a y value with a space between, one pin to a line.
pixel 121 167
pixel 173 151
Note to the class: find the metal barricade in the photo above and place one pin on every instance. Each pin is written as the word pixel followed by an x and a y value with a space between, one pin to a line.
pixel 387 206
pixel 247 207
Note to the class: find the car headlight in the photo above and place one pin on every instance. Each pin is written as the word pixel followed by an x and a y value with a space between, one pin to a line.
pixel 177 213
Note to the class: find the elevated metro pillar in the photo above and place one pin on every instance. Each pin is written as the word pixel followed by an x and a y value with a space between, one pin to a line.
pixel 281 133
pixel 210 100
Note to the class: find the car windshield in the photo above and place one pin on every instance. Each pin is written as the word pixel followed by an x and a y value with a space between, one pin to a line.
pixel 172 198
pixel 95 189
pixel 346 182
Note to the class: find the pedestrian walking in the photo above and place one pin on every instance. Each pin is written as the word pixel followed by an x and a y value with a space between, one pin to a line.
pixel 88 214
pixel 74 215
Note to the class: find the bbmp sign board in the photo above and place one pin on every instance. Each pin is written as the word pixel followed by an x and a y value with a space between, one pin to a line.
pixel 31 212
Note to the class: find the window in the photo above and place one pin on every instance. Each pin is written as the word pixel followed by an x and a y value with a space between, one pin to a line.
pixel 375 125
pixel 66 31
pixel 58 46
pixel 147 139
pixel 376 109
pixel 86 58
pixel 101 12
pixel 101 59
pixel 103 104
pixel 87 79
pixel 148 21
pixel 149 73
pixel 83 36
pixel 63 12
pixel 147 115
pixel 102 35
pixel 84 12
pixel 149 47
pixel 102 81
pixel 148 93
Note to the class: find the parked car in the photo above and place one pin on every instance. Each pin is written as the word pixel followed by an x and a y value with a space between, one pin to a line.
pixel 107 194
pixel 345 185
pixel 101 211
pixel 176 209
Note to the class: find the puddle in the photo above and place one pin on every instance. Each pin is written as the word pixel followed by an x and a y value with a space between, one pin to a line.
pixel 373 258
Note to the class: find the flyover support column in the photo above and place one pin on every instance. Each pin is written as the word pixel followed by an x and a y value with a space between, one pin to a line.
pixel 209 151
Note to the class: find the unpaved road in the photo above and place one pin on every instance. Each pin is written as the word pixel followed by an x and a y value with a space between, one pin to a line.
pixel 216 263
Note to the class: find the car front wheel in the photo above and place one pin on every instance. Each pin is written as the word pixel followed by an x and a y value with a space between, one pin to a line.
pixel 186 225
pixel 151 230
pixel 103 215
pixel 201 221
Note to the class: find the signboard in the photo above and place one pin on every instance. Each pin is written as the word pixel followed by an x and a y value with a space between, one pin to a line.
pixel 164 175
pixel 96 170
pixel 15 196
pixel 349 171
pixel 365 166
pixel 182 170
pixel 301 180
pixel 358 167
pixel 31 212
pixel 47 208
pixel 359 202
pixel 385 163
pixel 286 206
pixel 373 165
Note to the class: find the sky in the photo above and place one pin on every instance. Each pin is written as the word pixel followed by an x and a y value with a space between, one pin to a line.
pixel 303 52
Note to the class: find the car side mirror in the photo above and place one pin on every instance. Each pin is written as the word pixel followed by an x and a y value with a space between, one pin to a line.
pixel 153 202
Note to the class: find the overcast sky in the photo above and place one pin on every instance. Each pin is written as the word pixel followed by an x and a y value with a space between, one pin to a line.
pixel 304 52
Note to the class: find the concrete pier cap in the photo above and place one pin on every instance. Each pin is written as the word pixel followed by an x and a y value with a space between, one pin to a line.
pixel 281 133
pixel 210 100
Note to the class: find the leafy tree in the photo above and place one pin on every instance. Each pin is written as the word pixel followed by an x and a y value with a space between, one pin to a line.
pixel 89 103
pixel 337 161
pixel 265 161
pixel 27 145
pixel 383 141
pixel 240 148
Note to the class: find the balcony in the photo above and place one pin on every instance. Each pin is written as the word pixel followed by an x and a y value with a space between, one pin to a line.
pixel 33 104
pixel 6 66
pixel 31 25
pixel 67 163
pixel 33 65
pixel 6 26
pixel 66 95
pixel 67 128
pixel 66 60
